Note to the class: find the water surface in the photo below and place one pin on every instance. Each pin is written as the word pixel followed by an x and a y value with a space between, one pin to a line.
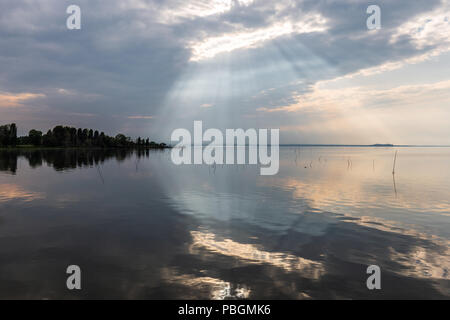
pixel 142 228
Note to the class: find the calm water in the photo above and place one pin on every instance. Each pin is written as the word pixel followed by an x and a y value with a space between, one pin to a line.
pixel 141 228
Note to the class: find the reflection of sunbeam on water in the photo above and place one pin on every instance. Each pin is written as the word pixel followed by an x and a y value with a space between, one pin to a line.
pixel 249 253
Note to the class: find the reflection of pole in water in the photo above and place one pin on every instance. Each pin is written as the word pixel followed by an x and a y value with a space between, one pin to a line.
pixel 395 187
pixel 214 166
pixel 100 174
pixel 393 172
pixel 395 162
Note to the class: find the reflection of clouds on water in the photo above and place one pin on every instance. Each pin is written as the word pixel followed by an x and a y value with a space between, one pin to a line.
pixel 212 288
pixel 353 196
pixel 356 194
pixel 423 263
pixel 189 232
pixel 248 253
pixel 352 215
pixel 341 255
pixel 10 192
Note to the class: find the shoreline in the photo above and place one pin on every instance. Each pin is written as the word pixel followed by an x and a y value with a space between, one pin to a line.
pixel 80 148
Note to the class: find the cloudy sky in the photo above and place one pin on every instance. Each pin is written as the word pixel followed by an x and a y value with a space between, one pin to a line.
pixel 308 67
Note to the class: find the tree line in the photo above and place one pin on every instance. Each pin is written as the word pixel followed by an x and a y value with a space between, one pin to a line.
pixel 70 137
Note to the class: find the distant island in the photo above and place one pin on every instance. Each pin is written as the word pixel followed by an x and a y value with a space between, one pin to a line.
pixel 382 145
pixel 69 137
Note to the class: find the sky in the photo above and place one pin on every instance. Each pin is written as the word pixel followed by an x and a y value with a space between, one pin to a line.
pixel 309 67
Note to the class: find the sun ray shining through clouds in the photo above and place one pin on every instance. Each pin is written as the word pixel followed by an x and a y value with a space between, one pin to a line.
pixel 311 68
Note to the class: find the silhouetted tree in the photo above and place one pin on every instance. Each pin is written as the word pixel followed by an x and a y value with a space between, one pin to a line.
pixel 79 136
pixel 13 134
pixel 8 135
pixel 48 139
pixel 35 137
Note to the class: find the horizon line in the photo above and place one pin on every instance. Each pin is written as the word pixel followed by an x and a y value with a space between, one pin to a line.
pixel 331 145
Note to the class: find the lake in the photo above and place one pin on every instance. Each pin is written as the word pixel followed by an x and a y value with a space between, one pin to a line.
pixel 140 227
